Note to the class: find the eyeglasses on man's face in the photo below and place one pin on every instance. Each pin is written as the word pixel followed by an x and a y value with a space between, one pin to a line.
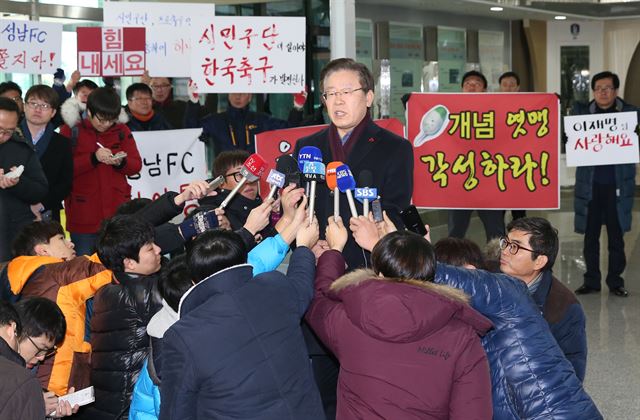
pixel 7 132
pixel 513 247
pixel 158 87
pixel 604 89
pixel 36 105
pixel 236 176
pixel 43 352
pixel 344 94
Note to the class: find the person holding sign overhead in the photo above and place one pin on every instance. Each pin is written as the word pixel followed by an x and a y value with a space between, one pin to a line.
pixel 604 195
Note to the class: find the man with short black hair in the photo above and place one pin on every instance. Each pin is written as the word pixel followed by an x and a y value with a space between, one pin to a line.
pixel 18 193
pixel 509 82
pixel 528 253
pixel 139 108
pixel 13 91
pixel 604 195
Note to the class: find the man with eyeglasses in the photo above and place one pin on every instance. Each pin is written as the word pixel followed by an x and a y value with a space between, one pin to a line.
pixel 604 196
pixel 139 108
pixel 17 194
pixel 528 253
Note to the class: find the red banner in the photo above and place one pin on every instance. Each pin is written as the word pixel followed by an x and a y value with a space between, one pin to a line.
pixel 485 151
pixel 273 144
pixel 111 51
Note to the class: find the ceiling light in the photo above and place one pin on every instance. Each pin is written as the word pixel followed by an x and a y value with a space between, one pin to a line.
pixel 560 18
pixel 496 9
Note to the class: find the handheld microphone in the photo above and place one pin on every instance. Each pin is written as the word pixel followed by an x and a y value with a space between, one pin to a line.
pixel 308 154
pixel 365 194
pixel 275 179
pixel 332 184
pixel 287 165
pixel 314 172
pixel 252 169
pixel 346 184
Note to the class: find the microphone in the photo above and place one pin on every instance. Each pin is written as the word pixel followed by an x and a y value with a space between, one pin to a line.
pixel 308 154
pixel 365 194
pixel 252 169
pixel 332 184
pixel 287 165
pixel 314 172
pixel 346 184
pixel 275 179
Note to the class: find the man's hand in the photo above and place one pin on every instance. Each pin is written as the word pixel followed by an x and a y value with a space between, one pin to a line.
pixel 365 232
pixel 319 248
pixel 35 209
pixel 336 234
pixel 299 99
pixel 308 233
pixel 145 78
pixel 290 196
pixel 259 217
pixel 223 221
pixel 194 191
pixel 61 408
pixel 386 226
pixel 8 182
pixel 104 155
pixel 290 228
pixel 192 90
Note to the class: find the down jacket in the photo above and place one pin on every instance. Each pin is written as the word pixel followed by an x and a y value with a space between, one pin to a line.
pixel 407 350
pixel 98 189
pixel 530 376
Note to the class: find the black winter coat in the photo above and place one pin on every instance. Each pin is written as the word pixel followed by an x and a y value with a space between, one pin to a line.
pixel 119 342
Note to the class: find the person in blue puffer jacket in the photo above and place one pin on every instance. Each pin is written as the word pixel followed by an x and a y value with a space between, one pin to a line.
pixel 175 281
pixel 530 376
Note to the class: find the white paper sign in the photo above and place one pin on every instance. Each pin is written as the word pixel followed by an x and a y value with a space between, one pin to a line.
pixel 29 47
pixel 168 27
pixel 249 54
pixel 171 159
pixel 601 139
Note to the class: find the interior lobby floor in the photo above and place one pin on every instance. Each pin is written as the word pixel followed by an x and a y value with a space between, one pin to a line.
pixel 613 323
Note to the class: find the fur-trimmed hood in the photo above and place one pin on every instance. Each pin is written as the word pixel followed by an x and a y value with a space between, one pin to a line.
pixel 402 310
pixel 73 111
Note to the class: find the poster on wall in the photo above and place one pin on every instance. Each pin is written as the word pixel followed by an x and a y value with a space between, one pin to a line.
pixel 406 52
pixel 249 54
pixel 111 51
pixel 168 28
pixel 452 57
pixel 491 52
pixel 485 151
pixel 29 47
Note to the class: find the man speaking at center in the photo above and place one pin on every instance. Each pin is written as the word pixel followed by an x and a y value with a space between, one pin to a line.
pixel 354 139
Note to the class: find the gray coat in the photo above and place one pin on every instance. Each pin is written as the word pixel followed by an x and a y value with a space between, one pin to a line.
pixel 625 175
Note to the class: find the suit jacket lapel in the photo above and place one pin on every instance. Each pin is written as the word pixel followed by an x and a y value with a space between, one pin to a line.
pixel 364 144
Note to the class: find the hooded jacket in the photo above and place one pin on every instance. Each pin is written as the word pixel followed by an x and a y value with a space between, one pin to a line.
pixel 530 376
pixel 69 284
pixel 407 349
pixel 98 189
pixel 20 392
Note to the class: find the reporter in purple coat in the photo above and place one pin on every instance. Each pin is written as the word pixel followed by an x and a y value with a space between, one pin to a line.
pixel 408 348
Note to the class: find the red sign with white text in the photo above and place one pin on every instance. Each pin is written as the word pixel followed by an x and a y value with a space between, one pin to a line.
pixel 485 151
pixel 111 52
pixel 273 144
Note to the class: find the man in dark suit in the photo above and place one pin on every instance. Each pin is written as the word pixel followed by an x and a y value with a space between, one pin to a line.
pixel 354 139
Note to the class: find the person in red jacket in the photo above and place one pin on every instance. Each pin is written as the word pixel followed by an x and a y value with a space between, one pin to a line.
pixel 104 154
pixel 408 348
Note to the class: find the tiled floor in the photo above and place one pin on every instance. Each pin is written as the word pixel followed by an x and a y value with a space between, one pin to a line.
pixel 613 323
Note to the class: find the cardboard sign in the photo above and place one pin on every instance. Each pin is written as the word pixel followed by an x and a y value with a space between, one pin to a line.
pixel 248 54
pixel 112 51
pixel 168 29
pixel 273 144
pixel 168 164
pixel 485 151
pixel 29 47
pixel 602 139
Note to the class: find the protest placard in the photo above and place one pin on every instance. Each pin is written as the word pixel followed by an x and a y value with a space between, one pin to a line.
pixel 273 144
pixel 168 40
pixel 171 159
pixel 112 51
pixel 29 47
pixel 249 54
pixel 485 151
pixel 601 139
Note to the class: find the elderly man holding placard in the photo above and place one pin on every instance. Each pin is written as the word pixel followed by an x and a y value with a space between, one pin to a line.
pixel 604 191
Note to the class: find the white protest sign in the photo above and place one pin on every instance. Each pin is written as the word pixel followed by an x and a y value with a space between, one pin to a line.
pixel 167 26
pixel 171 159
pixel 601 139
pixel 249 54
pixel 29 47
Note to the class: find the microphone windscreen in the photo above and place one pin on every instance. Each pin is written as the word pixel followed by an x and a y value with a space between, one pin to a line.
pixel 365 179
pixel 308 154
pixel 331 174
pixel 344 178
pixel 275 178
pixel 314 171
pixel 286 164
